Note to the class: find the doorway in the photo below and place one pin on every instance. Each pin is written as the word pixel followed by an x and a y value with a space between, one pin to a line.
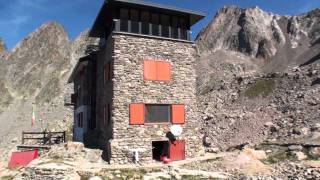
pixel 159 148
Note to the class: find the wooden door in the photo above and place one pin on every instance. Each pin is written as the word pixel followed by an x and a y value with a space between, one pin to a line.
pixel 177 150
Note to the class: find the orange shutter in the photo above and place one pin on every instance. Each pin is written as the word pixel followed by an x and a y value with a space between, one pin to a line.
pixel 178 114
pixel 136 114
pixel 163 71
pixel 150 70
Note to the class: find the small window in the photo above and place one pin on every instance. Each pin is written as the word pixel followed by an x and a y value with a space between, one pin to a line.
pixel 107 72
pixel 165 22
pixel 155 24
pixel 175 26
pixel 145 22
pixel 134 17
pixel 80 120
pixel 106 114
pixel 155 113
pixel 124 17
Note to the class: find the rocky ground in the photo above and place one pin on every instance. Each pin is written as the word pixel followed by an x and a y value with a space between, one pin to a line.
pixel 255 79
pixel 252 109
pixel 73 161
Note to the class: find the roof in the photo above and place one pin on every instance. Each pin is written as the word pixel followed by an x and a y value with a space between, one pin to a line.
pixel 79 66
pixel 161 6
pixel 108 6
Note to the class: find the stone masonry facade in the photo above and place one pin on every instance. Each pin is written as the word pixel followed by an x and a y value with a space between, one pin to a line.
pixel 127 54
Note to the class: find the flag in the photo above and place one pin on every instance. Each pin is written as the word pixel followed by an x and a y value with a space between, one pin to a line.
pixel 33 119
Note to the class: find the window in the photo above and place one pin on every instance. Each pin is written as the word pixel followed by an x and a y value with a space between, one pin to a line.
pixel 124 16
pixel 80 120
pixel 106 114
pixel 174 25
pixel 145 22
pixel 155 24
pixel 134 17
pixel 107 72
pixel 155 113
pixel 157 70
pixel 165 22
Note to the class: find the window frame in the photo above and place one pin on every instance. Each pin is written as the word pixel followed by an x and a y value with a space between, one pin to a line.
pixel 146 119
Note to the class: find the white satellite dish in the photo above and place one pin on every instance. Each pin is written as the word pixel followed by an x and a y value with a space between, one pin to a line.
pixel 176 130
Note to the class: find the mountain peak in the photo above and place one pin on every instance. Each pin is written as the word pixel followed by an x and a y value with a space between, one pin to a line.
pixel 263 36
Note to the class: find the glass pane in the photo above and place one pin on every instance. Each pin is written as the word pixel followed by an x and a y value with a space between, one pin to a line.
pixel 145 22
pixel 165 22
pixel 134 17
pixel 155 24
pixel 174 27
pixel 157 113
pixel 124 14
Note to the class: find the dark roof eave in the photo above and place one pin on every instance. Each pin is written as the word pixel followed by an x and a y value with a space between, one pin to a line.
pixel 80 64
pixel 195 16
pixel 160 6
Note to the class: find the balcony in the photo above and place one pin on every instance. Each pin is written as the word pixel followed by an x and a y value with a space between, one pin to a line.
pixel 148 29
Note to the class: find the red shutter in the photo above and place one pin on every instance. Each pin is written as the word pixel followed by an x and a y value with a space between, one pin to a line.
pixel 178 114
pixel 150 70
pixel 136 114
pixel 163 71
pixel 177 150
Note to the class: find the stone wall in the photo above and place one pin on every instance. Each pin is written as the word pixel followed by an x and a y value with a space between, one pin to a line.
pixel 130 87
pixel 104 93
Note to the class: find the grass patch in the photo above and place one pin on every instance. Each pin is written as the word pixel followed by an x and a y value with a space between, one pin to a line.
pixel 7 177
pixel 192 177
pixel 209 85
pixel 277 157
pixel 261 88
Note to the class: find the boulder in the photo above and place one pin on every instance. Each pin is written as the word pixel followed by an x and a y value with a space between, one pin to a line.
pixel 73 147
pixel 315 152
pixel 299 155
pixel 255 154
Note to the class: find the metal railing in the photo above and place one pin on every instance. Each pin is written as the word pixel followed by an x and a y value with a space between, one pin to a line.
pixel 149 29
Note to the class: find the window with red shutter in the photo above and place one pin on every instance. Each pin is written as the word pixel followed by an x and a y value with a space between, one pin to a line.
pixel 178 114
pixel 157 70
pixel 137 114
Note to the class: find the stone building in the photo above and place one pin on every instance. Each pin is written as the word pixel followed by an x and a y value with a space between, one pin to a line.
pixel 135 95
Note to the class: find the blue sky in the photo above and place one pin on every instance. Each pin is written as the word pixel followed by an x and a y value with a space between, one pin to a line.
pixel 20 17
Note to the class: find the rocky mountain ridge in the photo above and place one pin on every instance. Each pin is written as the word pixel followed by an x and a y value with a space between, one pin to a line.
pixel 34 73
pixel 258 76
pixel 275 42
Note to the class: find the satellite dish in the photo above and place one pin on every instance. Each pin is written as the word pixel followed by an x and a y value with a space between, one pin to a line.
pixel 176 130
